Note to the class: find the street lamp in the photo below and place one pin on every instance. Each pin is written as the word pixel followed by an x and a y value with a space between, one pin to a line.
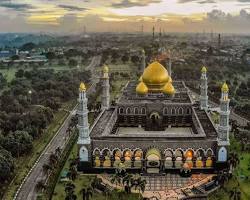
pixel 30 93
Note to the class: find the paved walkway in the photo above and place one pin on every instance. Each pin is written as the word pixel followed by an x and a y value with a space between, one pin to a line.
pixel 168 187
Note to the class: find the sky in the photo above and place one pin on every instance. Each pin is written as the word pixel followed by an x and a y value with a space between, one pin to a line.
pixel 71 16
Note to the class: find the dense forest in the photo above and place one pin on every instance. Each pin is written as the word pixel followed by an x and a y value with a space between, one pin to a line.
pixel 27 107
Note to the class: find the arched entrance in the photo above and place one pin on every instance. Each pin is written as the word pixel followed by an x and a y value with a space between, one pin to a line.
pixel 155 121
pixel 153 158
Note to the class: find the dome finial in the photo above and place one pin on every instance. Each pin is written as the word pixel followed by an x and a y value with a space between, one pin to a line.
pixel 105 69
pixel 82 87
pixel 203 69
pixel 224 87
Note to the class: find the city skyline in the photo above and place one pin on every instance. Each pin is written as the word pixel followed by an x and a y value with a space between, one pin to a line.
pixel 229 16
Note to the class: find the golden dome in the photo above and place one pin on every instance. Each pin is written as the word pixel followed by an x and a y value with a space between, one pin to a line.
pixel 155 75
pixel 140 79
pixel 82 87
pixel 168 89
pixel 224 87
pixel 105 69
pixel 170 80
pixel 203 69
pixel 142 88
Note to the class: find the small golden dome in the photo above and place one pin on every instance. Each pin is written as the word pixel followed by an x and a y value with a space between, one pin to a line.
pixel 141 88
pixel 170 80
pixel 224 87
pixel 105 69
pixel 140 79
pixel 82 87
pixel 203 69
pixel 168 89
pixel 155 75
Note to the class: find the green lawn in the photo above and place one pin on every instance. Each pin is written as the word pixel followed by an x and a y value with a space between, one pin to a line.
pixel 241 177
pixel 23 164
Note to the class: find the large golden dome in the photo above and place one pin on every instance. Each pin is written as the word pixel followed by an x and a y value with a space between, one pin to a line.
pixel 155 79
pixel 155 75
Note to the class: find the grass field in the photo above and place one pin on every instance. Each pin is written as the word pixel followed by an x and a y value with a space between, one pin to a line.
pixel 241 177
pixel 23 164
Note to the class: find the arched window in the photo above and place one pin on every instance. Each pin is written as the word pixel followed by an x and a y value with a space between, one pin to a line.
pixel 121 110
pixel 188 111
pixel 180 111
pixel 173 111
pixel 136 111
pixel 165 111
pixel 143 111
pixel 128 111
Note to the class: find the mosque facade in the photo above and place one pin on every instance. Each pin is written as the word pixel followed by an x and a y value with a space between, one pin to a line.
pixel 154 127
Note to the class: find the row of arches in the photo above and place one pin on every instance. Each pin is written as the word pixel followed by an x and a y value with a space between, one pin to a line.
pixel 166 111
pixel 177 111
pixel 169 158
pixel 132 110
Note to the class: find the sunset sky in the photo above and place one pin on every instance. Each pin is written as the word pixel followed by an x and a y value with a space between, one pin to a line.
pixel 125 15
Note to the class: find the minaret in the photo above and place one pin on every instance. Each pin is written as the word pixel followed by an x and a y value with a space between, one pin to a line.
pixel 105 88
pixel 153 32
pixel 82 112
pixel 170 64
pixel 203 89
pixel 143 61
pixel 223 129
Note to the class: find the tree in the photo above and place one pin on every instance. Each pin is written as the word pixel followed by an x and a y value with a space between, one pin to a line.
pixel 53 159
pixel 28 46
pixel 235 194
pixel 73 63
pixel 233 160
pixel 19 73
pixel 18 143
pixel 50 55
pixel 6 164
pixel 70 191
pixel 15 57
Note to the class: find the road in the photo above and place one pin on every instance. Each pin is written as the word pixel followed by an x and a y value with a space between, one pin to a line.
pixel 214 106
pixel 27 190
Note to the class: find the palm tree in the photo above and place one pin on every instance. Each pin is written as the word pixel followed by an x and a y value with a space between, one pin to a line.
pixel 73 172
pixel 53 159
pixel 139 185
pixel 46 169
pixel 70 191
pixel 235 194
pixel 127 182
pixel 58 151
pixel 222 177
pixel 40 185
pixel 116 178
pixel 89 193
pixel 233 161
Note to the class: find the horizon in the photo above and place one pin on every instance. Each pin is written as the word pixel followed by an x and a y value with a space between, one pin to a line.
pixel 225 16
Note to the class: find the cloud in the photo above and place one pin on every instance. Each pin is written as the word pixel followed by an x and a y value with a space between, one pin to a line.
pixel 15 6
pixel 129 3
pixel 196 1
pixel 72 8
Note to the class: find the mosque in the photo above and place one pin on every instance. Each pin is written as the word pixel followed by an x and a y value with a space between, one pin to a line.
pixel 154 127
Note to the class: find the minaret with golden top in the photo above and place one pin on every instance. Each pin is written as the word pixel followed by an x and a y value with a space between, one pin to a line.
pixel 82 112
pixel 105 88
pixel 223 129
pixel 203 89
